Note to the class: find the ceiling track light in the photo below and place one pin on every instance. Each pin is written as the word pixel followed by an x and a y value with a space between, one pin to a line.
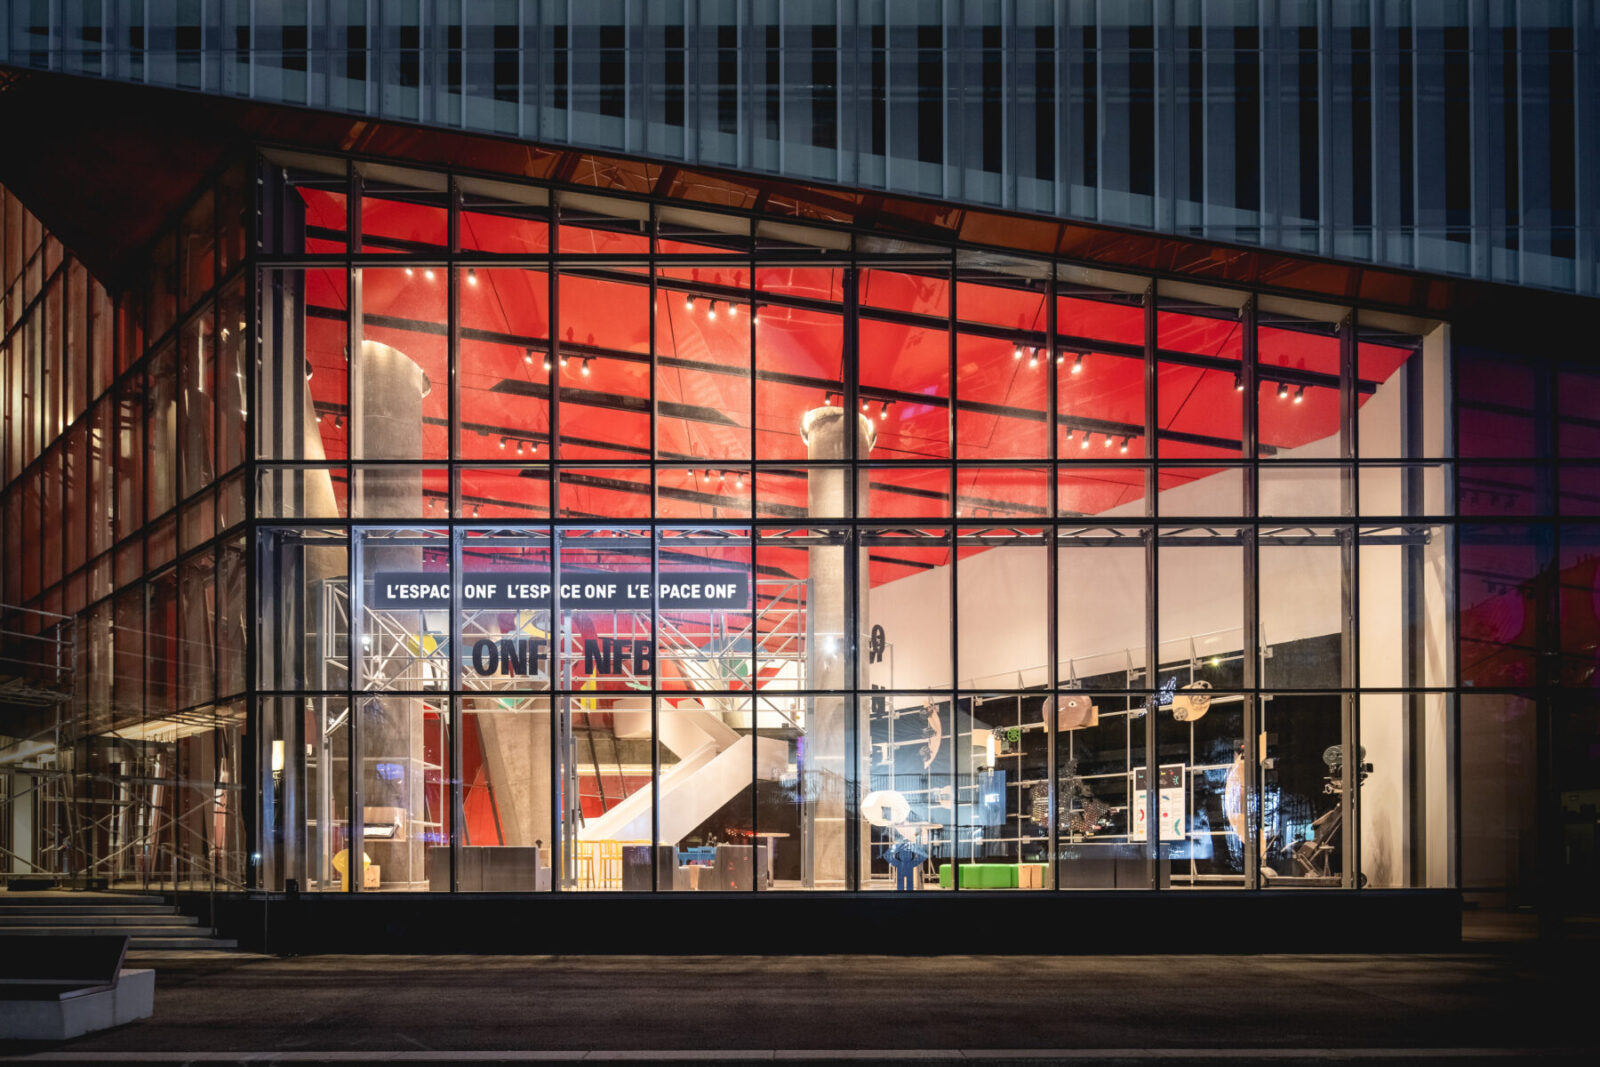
pixel 1016 353
pixel 688 302
pixel 1086 436
pixel 527 357
pixel 1068 438
pixel 711 310
pixel 865 404
pixel 428 274
pixel 733 310
pixel 477 510
pixel 1125 441
pixel 1283 390
pixel 1033 360
pixel 410 273
pixel 547 363
pixel 519 448
pixel 1060 358
pixel 586 365
pixel 338 422
pixel 472 276
pixel 707 478
pixel 1238 382
pixel 1300 395
pixel 883 412
pixel 738 480
pixel 502 444
pixel 563 361
pixel 1108 441
pixel 1077 364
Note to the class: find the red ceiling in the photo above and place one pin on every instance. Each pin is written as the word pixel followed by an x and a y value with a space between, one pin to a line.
pixel 703 390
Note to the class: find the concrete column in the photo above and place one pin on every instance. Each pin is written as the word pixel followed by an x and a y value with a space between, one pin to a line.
pixel 386 423
pixel 516 753
pixel 831 630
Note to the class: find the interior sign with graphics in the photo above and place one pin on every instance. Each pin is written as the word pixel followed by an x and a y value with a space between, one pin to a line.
pixel 580 590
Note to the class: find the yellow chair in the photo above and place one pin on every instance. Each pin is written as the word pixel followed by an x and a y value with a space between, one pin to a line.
pixel 341 863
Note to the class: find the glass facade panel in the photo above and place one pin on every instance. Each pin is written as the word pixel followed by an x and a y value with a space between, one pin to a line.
pixel 661 563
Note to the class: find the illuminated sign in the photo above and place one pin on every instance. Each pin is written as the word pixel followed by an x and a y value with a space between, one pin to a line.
pixel 517 656
pixel 580 590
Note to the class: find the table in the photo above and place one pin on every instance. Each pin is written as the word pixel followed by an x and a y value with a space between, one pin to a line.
pixel 769 835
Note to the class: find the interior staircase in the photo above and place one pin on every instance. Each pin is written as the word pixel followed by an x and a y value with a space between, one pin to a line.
pixel 151 924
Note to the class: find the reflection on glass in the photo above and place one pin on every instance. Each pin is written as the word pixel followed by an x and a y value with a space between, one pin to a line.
pixel 1002 753
pixel 607 792
pixel 780 711
pixel 908 598
pixel 907 795
pixel 1303 605
pixel 1199 793
pixel 505 799
pixel 1101 607
pixel 403 778
pixel 1407 820
pixel 400 625
pixel 1305 838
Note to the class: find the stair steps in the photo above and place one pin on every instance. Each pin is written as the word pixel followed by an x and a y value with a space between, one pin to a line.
pixel 148 923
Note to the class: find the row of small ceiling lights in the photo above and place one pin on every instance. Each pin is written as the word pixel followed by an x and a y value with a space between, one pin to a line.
pixel 532 446
pixel 711 308
pixel 1033 355
pixel 1283 389
pixel 527 357
pixel 1088 436
pixel 1077 368
pixel 722 478
pixel 733 311
pixel 688 300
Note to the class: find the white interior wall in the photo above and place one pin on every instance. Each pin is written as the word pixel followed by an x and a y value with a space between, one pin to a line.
pixel 1002 600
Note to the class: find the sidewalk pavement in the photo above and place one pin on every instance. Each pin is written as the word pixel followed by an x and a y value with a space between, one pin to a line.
pixel 1503 1001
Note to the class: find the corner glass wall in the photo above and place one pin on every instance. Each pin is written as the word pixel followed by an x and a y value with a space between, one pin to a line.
pixel 123 672
pixel 607 545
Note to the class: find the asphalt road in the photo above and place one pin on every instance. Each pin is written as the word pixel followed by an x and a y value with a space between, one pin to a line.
pixel 1516 1002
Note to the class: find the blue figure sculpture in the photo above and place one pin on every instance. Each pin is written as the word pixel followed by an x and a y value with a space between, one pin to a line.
pixel 904 857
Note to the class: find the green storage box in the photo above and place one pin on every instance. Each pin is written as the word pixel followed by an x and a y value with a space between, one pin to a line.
pixel 981 876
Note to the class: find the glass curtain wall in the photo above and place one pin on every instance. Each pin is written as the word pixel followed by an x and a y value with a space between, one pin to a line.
pixel 604 544
pixel 125 564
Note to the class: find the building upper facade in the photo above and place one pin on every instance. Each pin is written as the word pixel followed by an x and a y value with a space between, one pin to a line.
pixel 1442 136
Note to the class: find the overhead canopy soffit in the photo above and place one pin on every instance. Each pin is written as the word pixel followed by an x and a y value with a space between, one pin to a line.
pixel 108 166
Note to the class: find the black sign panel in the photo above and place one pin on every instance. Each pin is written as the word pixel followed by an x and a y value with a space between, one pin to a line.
pixel 580 590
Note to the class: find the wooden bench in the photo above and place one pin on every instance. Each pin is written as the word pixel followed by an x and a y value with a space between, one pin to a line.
pixel 54 988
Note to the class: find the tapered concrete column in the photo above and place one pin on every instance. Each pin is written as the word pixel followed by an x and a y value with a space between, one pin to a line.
pixel 386 423
pixel 516 753
pixel 831 631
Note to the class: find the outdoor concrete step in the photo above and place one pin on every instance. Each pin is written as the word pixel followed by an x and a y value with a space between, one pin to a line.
pixel 81 900
pixel 133 931
pixel 91 916
pixel 202 943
